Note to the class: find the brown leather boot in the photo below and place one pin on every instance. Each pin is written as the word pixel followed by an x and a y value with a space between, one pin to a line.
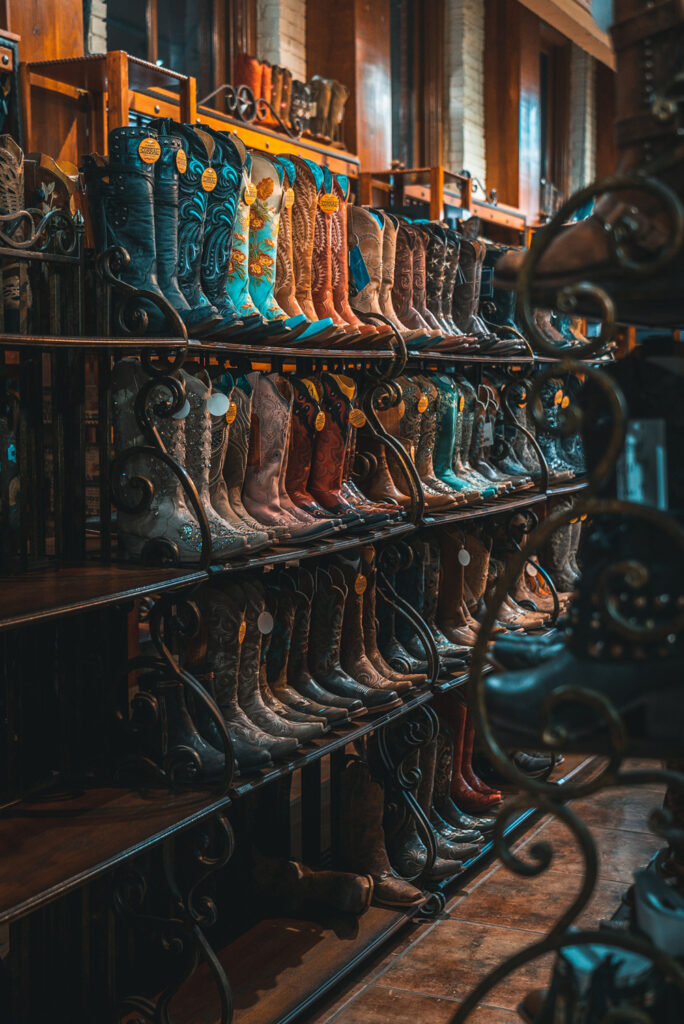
pixel 285 95
pixel 402 288
pixel 370 625
pixel 363 840
pixel 365 229
pixel 269 434
pixel 303 227
pixel 378 482
pixel 235 464
pixel 321 95
pixel 353 651
pixel 248 71
pixel 293 888
pixel 369 334
pixel 426 443
pixel 420 280
pixel 648 40
pixel 389 250
pixel 450 615
pixel 276 88
pixel 410 426
pixel 339 95
pixel 321 265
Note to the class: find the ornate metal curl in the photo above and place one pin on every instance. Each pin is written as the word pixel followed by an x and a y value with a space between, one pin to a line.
pixel 397 746
pixel 531 517
pixel 404 608
pixel 57 228
pixel 243 105
pixel 150 401
pixel 568 299
pixel 181 932
pixel 132 316
pixel 508 412
pixel 386 395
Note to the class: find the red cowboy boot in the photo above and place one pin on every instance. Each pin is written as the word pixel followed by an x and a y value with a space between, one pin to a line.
pixel 308 419
pixel 325 481
pixel 467 798
pixel 467 770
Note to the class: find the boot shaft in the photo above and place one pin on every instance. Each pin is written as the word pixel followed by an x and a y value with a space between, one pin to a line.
pixel 366 232
pixel 264 221
pixel 227 162
pixel 306 188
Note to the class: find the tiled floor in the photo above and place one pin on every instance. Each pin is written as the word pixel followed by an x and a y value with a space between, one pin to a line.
pixel 430 968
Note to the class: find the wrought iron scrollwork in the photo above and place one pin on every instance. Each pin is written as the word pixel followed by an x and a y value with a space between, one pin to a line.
pixel 545 797
pixel 243 105
pixel 180 929
pixel 56 230
pixel 387 395
pixel 132 315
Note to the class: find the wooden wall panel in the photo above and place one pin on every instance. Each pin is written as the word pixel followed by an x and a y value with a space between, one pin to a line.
pixel 350 40
pixel 606 156
pixel 502 98
pixel 51 29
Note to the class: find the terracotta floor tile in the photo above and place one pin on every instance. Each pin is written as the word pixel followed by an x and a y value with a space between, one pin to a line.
pixel 455 955
pixel 378 1005
pixel 626 809
pixel 534 904
pixel 618 857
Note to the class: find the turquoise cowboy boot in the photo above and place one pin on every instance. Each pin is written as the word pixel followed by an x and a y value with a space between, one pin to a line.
pixel 445 440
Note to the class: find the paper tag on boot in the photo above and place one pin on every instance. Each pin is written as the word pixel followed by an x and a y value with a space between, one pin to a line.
pixel 358 270
pixel 488 432
pixel 642 467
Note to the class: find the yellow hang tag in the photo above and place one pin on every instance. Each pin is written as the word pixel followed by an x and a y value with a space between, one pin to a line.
pixel 288 198
pixel 401 409
pixel 558 397
pixel 181 161
pixel 357 418
pixel 360 583
pixel 329 203
pixel 250 193
pixel 319 422
pixel 209 179
pixel 412 452
pixel 422 403
pixel 149 150
pixel 461 404
pixel 231 412
pixel 241 631
pixel 566 402
pixel 521 405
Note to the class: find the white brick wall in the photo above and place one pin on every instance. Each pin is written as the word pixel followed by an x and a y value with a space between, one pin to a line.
pixel 464 80
pixel 281 34
pixel 96 29
pixel 582 119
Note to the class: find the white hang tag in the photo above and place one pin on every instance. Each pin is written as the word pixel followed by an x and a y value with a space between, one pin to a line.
pixel 265 623
pixel 464 557
pixel 218 404
pixel 488 434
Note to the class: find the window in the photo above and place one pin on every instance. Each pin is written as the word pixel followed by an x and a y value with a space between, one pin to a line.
pixel 177 34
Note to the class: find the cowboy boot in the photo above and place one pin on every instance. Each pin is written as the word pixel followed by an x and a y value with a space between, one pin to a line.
pixel 364 229
pixel 285 614
pixel 165 526
pixel 445 438
pixel 247 71
pixel 436 267
pixel 226 540
pixel 389 252
pixel 294 707
pixel 469 799
pixel 453 256
pixel 420 281
pixel 449 849
pixel 166 202
pixel 318 331
pixel 298 673
pixel 449 819
pixel 402 289
pixel 374 513
pixel 268 435
pixel 237 281
pixel 252 682
pixel 451 653
pixel 340 264
pixel 293 889
pixel 223 612
pixel 235 465
pixel 410 429
pixel 370 625
pixel 450 615
pixel 321 263
pixel 325 642
pixel 194 186
pixel 410 585
pixel 463 306
pixel 306 186
pixel 648 40
pixel 468 438
pixel 228 161
pixel 308 419
pixel 222 411
pixel 265 91
pixel 428 432
pixel 549 405
pixel 16 287
pixel 321 95
pixel 352 652
pixel 377 481
pixel 467 770
pixel 264 219
pixel 325 480
pixel 338 98
pixel 393 651
pixel 276 96
pixel 301 105
pixel 285 95
pixel 363 840
pixel 120 194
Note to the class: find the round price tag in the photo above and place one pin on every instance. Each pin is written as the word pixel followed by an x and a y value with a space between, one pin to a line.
pixel 288 198
pixel 360 583
pixel 241 631
pixel 149 150
pixel 422 403
pixel 463 557
pixel 182 412
pixel 566 402
pixel 357 418
pixel 329 203
pixel 181 161
pixel 250 193
pixel 461 404
pixel 531 570
pixel 209 179
pixel 265 623
pixel 231 412
pixel 319 422
pixel 558 397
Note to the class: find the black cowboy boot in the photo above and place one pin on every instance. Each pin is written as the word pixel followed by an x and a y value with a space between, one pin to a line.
pixel 195 184
pixel 167 171
pixel 120 194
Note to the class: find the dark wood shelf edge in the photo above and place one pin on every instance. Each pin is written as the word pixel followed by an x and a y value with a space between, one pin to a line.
pixel 62 886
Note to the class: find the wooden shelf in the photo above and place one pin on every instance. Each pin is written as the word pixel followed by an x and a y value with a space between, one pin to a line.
pixel 257 351
pixel 523 500
pixel 90 342
pixel 58 842
pixel 281 966
pixel 54 844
